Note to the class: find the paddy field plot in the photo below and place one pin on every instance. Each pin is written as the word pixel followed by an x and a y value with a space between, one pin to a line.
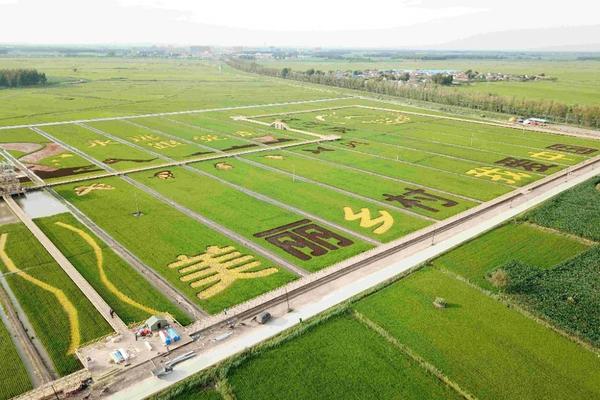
pixel 46 159
pixel 318 200
pixel 62 317
pixel 128 293
pixel 188 254
pixel 116 155
pixel 415 198
pixel 487 348
pixel 207 139
pixel 250 217
pixel 339 358
pixel 148 139
pixel 14 379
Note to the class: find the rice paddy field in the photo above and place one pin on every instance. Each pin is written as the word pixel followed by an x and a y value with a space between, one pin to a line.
pixel 241 184
pixel 13 378
pixel 124 289
pixel 62 317
pixel 487 342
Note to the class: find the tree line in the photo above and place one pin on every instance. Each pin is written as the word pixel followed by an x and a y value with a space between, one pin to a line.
pixel 588 115
pixel 21 77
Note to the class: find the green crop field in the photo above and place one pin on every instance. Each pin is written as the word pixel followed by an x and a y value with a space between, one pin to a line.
pixel 567 294
pixel 123 288
pixel 338 359
pixel 13 375
pixel 241 212
pixel 521 242
pixel 488 349
pixel 576 211
pixel 94 87
pixel 162 234
pixel 62 317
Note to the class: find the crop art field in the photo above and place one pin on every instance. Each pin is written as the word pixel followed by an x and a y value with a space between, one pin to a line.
pixel 60 314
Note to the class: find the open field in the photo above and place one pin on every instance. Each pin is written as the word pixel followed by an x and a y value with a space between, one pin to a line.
pixel 13 375
pixel 101 87
pixel 163 236
pixel 62 317
pixel 127 293
pixel 487 348
pixel 576 82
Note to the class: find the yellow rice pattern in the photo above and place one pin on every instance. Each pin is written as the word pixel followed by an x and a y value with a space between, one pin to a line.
pixel 59 294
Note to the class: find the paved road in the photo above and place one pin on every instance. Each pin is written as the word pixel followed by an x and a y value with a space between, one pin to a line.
pixel 311 303
pixel 97 301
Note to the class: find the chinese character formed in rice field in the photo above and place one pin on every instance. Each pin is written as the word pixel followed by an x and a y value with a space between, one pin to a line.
pixel 244 133
pixel 145 138
pixel 354 143
pixel 318 150
pixel 549 156
pixel 304 239
pixel 217 269
pixel 165 144
pixel 385 219
pixel 83 190
pixel 207 138
pixel 498 174
pixel 525 164
pixel 567 148
pixel 99 143
pixel 417 197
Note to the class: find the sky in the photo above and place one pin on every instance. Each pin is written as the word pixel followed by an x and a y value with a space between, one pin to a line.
pixel 307 23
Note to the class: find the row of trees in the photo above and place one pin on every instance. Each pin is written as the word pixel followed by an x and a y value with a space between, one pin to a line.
pixel 588 115
pixel 21 77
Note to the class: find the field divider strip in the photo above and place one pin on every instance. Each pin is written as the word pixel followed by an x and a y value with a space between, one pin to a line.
pixel 205 110
pixel 355 169
pixel 87 290
pixel 406 350
pixel 334 188
pixel 217 227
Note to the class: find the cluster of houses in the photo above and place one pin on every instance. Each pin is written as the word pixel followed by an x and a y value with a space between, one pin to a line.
pixel 420 76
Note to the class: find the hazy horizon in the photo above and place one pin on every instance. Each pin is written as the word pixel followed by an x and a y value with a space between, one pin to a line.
pixel 416 24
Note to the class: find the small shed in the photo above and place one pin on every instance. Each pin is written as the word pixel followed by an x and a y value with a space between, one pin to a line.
pixel 155 323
